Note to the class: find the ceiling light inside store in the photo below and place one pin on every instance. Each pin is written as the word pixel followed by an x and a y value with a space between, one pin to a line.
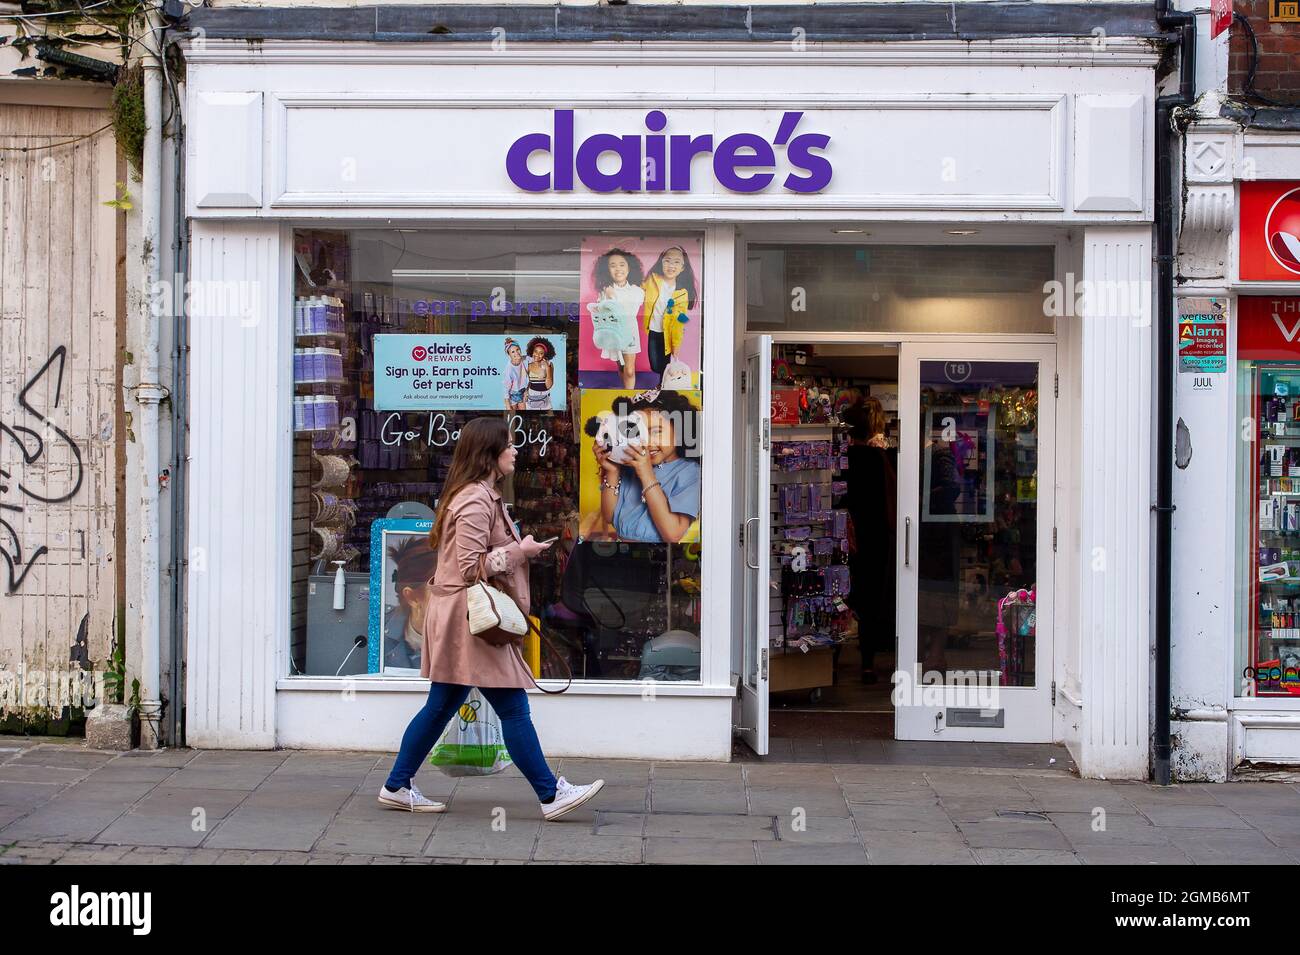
pixel 962 232
pixel 485 274
pixel 850 231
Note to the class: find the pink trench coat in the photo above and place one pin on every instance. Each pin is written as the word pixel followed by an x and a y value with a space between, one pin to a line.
pixel 477 523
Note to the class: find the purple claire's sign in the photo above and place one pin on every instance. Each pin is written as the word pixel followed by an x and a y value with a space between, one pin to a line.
pixel 743 162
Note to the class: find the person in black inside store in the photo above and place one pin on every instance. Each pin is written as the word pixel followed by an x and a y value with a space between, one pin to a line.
pixel 413 562
pixel 871 498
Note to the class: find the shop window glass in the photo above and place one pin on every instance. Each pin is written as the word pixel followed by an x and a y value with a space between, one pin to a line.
pixel 590 346
pixel 1268 498
pixel 955 289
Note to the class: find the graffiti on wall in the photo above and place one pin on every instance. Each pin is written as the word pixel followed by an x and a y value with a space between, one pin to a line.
pixel 35 432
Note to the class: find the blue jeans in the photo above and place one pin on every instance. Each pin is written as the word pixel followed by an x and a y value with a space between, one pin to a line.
pixel 445 699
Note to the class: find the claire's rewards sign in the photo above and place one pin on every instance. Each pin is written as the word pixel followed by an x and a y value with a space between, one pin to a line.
pixel 469 373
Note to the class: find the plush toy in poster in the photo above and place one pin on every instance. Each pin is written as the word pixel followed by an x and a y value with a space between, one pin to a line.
pixel 607 326
pixel 677 377
pixel 618 436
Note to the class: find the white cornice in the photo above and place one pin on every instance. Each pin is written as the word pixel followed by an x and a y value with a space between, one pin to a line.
pixel 1056 51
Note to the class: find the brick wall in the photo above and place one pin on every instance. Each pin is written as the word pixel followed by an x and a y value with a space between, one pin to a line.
pixel 1277 75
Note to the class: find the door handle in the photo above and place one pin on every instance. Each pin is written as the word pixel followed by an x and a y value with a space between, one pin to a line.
pixel 907 542
pixel 748 521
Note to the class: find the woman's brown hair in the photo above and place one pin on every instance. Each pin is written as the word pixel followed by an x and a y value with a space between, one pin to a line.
pixel 866 419
pixel 481 442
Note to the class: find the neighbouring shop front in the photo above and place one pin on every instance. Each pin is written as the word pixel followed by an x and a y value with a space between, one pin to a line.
pixel 840 291
pixel 1237 659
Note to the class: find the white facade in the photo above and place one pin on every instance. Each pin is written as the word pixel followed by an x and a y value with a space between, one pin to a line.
pixel 1046 141
pixel 1217 726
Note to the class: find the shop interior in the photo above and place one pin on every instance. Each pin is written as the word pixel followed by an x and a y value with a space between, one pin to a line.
pixel 834 486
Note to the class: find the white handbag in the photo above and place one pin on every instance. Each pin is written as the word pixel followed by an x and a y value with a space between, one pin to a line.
pixel 493 614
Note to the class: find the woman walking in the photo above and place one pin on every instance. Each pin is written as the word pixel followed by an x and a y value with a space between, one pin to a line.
pixel 472 527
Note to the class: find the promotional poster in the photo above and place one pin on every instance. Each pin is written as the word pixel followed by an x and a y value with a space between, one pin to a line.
pixel 640 315
pixel 640 466
pixel 470 372
pixel 401 563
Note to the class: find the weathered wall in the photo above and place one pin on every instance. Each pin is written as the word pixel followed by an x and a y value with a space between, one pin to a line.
pixel 58 400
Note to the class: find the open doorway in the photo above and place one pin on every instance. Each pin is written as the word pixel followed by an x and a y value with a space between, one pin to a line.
pixel 832 544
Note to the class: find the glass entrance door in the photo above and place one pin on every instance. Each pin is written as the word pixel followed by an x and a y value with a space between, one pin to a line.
pixel 975 560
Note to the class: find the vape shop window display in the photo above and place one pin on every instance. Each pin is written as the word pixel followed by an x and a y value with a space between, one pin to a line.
pixel 590 347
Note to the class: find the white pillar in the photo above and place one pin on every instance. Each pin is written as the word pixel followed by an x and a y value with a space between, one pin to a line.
pixel 1115 519
pixel 239 483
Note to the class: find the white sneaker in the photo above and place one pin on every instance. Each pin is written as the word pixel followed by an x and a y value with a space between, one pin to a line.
pixel 409 799
pixel 569 797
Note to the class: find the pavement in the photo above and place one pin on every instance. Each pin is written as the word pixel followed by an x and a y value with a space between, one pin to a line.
pixel 63 803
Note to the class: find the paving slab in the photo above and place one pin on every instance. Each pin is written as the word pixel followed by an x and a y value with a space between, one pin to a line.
pixel 787 774
pixel 1194 817
pixel 664 850
pixel 694 770
pixel 66 757
pixel 57 821
pixel 804 853
pixel 1081 830
pixel 1258 797
pixel 817 829
pixel 1228 847
pixel 167 817
pixel 565 844
pixel 255 827
pixel 462 839
pixel 129 771
pixel 821 801
pixel 914 817
pixel 404 836
pixel 1186 794
pixel 621 772
pixel 160 757
pixel 20 772
pixel 915 848
pixel 698 795
pixel 1132 855
pixel 1004 834
pixel 617 823
pixel 27 796
pixel 988 856
pixel 701 826
pixel 986 807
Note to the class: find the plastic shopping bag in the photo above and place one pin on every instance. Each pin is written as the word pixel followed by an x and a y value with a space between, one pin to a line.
pixel 472 744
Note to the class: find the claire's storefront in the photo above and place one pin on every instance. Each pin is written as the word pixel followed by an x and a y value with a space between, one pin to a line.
pixel 881 309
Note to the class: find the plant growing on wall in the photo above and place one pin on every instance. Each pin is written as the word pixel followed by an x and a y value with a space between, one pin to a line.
pixel 71 40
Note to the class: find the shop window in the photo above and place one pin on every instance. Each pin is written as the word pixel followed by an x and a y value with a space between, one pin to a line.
pixel 953 289
pixel 1268 498
pixel 590 347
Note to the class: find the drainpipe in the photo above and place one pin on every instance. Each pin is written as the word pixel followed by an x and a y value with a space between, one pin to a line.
pixel 180 436
pixel 149 393
pixel 1185 25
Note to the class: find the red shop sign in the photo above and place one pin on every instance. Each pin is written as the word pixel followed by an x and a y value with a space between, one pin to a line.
pixel 1270 231
pixel 785 406
pixel 1220 17
pixel 1268 327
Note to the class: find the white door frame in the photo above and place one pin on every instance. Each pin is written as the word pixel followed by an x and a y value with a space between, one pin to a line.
pixel 921 712
pixel 755 541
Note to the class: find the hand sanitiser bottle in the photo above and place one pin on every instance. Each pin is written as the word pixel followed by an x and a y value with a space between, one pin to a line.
pixel 340 586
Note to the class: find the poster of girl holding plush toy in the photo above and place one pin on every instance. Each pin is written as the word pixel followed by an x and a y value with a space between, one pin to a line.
pixel 640 478
pixel 641 312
